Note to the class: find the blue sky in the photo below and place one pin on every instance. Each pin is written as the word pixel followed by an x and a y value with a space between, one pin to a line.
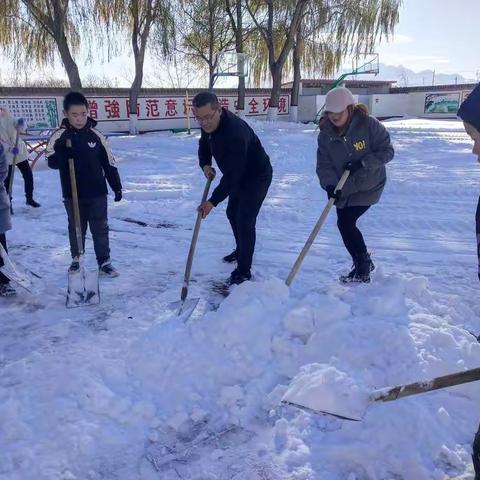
pixel 440 34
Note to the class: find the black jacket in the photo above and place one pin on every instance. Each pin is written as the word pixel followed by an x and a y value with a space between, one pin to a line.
pixel 470 109
pixel 92 156
pixel 239 156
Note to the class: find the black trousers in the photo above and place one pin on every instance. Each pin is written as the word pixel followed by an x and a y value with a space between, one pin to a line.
pixel 27 175
pixel 3 241
pixel 347 224
pixel 242 212
pixel 477 228
pixel 93 212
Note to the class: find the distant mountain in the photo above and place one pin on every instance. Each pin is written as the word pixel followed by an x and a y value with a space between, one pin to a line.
pixel 406 77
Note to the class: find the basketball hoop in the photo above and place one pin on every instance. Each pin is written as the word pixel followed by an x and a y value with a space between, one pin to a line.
pixel 367 64
pixel 231 64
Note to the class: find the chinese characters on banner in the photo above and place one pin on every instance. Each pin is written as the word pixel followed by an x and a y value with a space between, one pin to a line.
pixel 164 108
pixel 37 112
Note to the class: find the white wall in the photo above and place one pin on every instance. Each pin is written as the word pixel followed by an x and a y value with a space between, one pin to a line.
pixel 156 112
pixel 416 104
pixel 389 105
pixel 310 105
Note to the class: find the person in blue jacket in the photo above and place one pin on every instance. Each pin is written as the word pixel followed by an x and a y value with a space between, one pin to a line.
pixel 469 112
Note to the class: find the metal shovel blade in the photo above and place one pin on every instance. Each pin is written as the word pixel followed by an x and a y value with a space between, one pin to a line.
pixel 184 307
pixel 83 289
pixel 347 408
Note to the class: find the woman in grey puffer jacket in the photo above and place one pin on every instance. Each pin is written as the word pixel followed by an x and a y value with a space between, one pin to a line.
pixel 5 288
pixel 350 139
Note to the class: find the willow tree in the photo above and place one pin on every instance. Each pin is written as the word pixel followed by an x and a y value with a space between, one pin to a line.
pixel 204 31
pixel 34 31
pixel 277 23
pixel 333 29
pixel 322 58
pixel 139 19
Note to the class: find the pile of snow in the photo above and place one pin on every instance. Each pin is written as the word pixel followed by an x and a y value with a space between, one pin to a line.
pixel 128 390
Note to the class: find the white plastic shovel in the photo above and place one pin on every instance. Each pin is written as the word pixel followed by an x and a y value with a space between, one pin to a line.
pixel 353 403
pixel 15 272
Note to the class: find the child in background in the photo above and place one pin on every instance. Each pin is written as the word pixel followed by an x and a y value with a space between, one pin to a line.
pixel 94 163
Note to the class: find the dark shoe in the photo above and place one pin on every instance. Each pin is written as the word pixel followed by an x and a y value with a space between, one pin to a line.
pixel 108 270
pixel 232 257
pixel 32 203
pixel 364 267
pixel 74 266
pixel 349 277
pixel 6 290
pixel 237 277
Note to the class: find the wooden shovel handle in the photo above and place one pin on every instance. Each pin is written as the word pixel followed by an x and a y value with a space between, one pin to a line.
pixel 451 380
pixel 315 230
pixel 191 252
pixel 75 204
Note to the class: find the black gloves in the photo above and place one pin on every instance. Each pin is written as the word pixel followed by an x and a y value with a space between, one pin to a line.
pixel 118 196
pixel 331 192
pixel 353 167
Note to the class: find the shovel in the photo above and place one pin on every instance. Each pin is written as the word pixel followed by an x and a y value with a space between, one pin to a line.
pixel 15 272
pixel 315 230
pixel 352 405
pixel 184 306
pixel 83 287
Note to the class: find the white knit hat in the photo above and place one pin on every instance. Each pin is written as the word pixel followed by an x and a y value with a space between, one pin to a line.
pixel 338 99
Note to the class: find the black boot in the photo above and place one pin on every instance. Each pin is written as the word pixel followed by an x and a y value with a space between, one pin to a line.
pixel 30 201
pixel 350 276
pixel 232 257
pixel 6 290
pixel 364 267
pixel 237 277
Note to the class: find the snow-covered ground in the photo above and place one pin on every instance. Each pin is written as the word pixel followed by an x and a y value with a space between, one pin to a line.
pixel 127 391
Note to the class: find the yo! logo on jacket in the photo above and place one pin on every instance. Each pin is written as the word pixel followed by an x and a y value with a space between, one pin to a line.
pixel 92 144
pixel 361 145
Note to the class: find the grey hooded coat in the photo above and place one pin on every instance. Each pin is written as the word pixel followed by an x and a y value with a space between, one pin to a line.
pixel 366 139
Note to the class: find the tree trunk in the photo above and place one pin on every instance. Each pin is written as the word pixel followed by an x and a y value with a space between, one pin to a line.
pixel 241 96
pixel 133 95
pixel 296 81
pixel 69 63
pixel 276 71
pixel 211 77
pixel 239 49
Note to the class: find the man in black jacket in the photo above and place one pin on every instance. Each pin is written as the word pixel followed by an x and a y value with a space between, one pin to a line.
pixel 94 162
pixel 246 175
